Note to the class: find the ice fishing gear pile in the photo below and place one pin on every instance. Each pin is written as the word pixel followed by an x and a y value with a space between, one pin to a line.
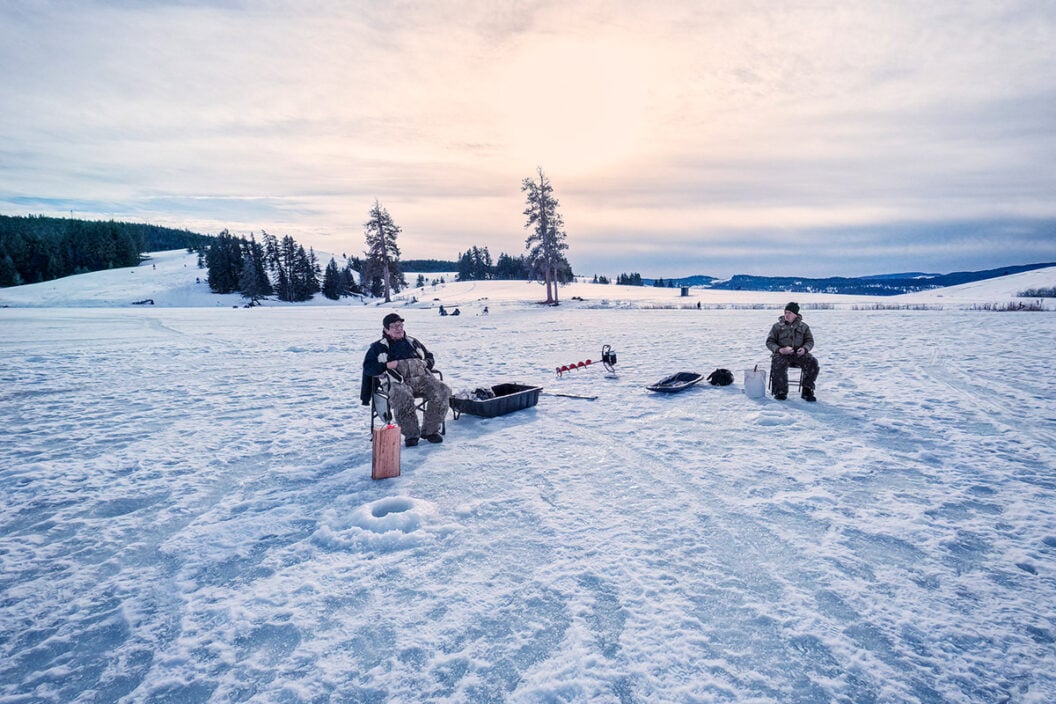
pixel 608 360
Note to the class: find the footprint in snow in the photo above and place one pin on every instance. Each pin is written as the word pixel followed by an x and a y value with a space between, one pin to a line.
pixel 771 418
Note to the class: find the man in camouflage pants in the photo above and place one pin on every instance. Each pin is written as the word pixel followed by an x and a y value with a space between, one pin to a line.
pixel 403 367
pixel 790 340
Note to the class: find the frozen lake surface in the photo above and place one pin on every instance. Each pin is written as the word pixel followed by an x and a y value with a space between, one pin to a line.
pixel 188 514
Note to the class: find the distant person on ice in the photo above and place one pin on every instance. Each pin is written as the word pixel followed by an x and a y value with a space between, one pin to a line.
pixel 403 366
pixel 791 341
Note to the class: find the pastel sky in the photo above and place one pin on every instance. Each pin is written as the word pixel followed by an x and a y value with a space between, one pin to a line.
pixel 787 137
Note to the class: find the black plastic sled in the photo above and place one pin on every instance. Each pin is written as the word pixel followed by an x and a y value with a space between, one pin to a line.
pixel 676 382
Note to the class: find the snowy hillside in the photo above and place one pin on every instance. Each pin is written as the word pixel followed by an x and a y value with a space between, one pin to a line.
pixel 173 280
pixel 188 514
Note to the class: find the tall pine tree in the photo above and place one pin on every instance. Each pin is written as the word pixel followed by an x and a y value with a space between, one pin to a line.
pixel 546 243
pixel 383 254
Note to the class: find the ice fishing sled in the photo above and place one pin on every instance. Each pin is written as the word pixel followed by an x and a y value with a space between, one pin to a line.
pixel 497 401
pixel 676 382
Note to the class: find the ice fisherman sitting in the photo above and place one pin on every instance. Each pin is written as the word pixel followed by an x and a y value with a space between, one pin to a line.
pixel 403 367
pixel 791 341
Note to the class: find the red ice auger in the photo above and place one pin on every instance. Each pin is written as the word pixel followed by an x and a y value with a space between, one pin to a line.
pixel 608 360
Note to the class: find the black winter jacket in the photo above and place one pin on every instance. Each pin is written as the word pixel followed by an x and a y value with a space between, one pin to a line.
pixel 380 354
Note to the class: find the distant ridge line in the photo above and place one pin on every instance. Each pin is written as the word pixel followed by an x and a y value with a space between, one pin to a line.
pixel 874 285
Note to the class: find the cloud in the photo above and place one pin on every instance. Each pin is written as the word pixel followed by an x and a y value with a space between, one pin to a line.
pixel 850 251
pixel 683 125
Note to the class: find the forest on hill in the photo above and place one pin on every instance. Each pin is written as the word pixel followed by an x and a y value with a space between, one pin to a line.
pixel 36 248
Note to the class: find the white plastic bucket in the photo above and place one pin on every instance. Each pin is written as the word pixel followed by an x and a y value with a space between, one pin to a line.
pixel 755 383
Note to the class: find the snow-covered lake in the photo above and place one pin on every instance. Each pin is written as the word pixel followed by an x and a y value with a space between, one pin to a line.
pixel 188 514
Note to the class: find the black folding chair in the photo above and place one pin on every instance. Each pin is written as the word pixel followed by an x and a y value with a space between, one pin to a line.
pixel 794 380
pixel 379 402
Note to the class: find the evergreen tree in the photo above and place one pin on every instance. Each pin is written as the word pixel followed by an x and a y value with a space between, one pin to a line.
pixel 509 268
pixel 546 243
pixel 465 266
pixel 304 281
pixel 348 285
pixel 9 275
pixel 564 272
pixel 273 261
pixel 315 273
pixel 383 254
pixel 258 282
pixel 125 251
pixel 372 281
pixel 486 264
pixel 224 263
pixel 332 281
pixel 271 248
pixel 476 265
pixel 282 259
pixel 250 283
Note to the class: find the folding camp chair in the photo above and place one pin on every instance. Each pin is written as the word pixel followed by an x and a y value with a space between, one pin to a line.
pixel 379 402
pixel 794 380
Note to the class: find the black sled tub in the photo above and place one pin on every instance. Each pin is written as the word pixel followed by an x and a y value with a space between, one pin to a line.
pixel 676 382
pixel 508 398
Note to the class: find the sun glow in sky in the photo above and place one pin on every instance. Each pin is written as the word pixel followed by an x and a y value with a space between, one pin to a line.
pixel 577 106
pixel 681 137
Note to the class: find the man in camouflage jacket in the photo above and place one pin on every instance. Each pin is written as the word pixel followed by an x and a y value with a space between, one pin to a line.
pixel 403 367
pixel 791 341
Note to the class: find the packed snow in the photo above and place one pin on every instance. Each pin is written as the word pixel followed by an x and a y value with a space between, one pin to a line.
pixel 188 513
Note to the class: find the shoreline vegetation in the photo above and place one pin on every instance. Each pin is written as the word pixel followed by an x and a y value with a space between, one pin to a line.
pixel 37 248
